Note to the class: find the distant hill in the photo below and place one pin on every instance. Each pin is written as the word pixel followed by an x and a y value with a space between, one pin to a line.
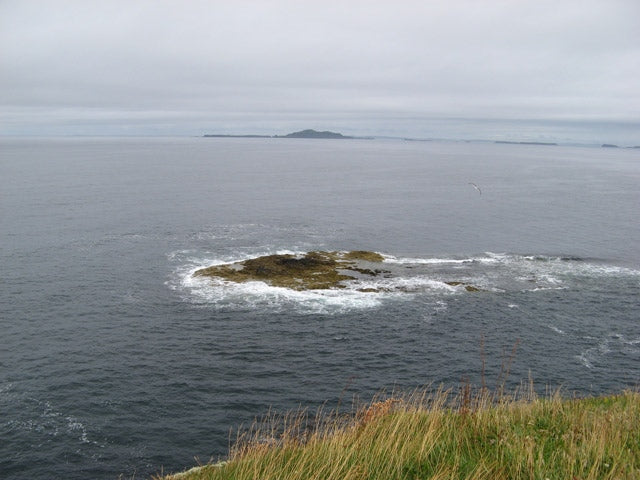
pixel 314 134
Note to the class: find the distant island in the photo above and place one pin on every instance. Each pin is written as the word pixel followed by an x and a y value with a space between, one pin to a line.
pixel 309 133
pixel 314 134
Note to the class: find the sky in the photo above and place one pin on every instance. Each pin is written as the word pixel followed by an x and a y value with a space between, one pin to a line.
pixel 541 70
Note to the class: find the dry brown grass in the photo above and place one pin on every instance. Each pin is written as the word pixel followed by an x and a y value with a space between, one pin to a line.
pixel 439 435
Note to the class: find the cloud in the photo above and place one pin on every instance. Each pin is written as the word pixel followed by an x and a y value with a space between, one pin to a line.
pixel 206 63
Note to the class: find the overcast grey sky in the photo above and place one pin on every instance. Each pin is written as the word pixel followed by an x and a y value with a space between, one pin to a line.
pixel 472 69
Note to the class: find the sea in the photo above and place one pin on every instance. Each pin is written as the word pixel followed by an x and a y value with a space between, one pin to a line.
pixel 116 362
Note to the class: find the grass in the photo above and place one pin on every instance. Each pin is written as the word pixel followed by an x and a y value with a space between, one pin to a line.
pixel 441 435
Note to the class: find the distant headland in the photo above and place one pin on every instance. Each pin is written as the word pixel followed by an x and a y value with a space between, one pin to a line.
pixel 525 143
pixel 309 133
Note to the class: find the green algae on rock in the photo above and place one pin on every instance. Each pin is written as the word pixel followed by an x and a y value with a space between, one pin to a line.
pixel 310 271
pixel 363 255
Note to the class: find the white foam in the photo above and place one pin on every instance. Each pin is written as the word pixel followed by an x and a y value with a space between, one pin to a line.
pixel 255 294
pixel 608 270
pixel 574 266
pixel 46 420
pixel 403 284
pixel 438 261
pixel 543 289
pixel 423 261
pixel 556 329
pixel 584 360
pixel 74 426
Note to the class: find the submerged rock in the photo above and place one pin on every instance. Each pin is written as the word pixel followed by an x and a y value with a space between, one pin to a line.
pixel 467 287
pixel 311 271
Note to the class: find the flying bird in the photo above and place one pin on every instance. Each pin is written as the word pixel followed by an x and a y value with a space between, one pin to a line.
pixel 476 187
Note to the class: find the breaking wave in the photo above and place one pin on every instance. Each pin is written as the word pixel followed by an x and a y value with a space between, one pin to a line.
pixel 403 278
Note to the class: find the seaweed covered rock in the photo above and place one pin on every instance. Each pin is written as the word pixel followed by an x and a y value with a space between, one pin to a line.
pixel 310 271
pixel 319 270
pixel 363 255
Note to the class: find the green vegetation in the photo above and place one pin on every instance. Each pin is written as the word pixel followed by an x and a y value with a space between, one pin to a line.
pixel 437 435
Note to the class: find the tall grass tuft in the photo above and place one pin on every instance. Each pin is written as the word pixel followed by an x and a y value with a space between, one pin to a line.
pixel 438 434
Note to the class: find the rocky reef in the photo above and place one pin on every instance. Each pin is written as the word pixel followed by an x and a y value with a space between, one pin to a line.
pixel 310 271
pixel 316 270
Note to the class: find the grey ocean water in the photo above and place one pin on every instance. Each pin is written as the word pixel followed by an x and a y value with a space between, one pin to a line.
pixel 114 360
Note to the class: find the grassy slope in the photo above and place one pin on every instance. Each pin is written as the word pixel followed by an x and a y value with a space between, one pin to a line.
pixel 434 436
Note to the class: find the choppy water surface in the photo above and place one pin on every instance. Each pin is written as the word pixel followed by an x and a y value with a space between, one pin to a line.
pixel 115 360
